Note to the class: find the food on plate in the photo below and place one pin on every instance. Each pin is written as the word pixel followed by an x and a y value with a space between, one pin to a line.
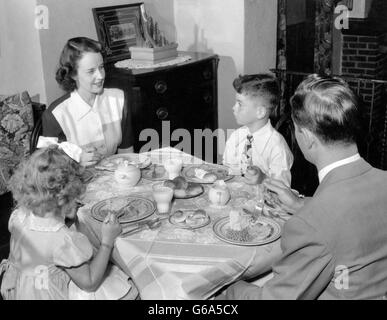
pixel 196 218
pixel 170 184
pixel 180 183
pixel 179 216
pixel 182 188
pixel 238 220
pixel 210 177
pixel 189 218
pixel 158 171
pixel 241 236
pixel 180 193
pixel 193 189
pixel 205 175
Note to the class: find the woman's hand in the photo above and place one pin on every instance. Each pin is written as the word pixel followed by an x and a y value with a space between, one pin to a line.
pixel 289 200
pixel 90 157
pixel 111 229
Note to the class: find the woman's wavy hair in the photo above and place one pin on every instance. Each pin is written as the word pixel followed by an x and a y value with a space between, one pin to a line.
pixel 47 182
pixel 68 62
pixel 327 107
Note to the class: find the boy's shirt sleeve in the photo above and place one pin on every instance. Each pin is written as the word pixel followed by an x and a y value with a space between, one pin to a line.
pixel 231 157
pixel 280 164
pixel 228 154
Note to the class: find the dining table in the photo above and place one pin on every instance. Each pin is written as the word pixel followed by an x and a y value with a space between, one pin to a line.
pixel 173 263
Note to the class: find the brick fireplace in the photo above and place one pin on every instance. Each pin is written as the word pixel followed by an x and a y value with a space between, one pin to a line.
pixel 364 62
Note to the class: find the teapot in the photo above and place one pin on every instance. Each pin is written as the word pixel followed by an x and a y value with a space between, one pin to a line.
pixel 219 194
pixel 127 174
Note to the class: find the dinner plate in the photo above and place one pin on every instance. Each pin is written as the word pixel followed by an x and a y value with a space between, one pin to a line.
pixel 200 223
pixel 199 192
pixel 128 208
pixel 263 231
pixel 220 171
pixel 111 163
pixel 148 174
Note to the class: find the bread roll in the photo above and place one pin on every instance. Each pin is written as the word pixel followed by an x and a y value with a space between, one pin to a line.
pixel 210 177
pixel 200 213
pixel 170 184
pixel 194 189
pixel 180 183
pixel 179 216
pixel 158 172
pixel 180 193
pixel 196 218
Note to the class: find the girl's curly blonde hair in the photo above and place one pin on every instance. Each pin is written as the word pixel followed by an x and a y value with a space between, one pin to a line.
pixel 47 182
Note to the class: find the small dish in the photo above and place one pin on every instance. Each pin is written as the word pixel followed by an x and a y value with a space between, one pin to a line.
pixel 190 219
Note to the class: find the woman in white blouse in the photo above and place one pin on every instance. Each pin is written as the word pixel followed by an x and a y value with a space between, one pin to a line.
pixel 89 115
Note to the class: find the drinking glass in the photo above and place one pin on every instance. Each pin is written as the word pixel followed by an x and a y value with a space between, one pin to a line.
pixel 173 167
pixel 163 197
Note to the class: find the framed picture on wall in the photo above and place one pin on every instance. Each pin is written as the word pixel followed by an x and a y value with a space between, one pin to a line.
pixel 118 28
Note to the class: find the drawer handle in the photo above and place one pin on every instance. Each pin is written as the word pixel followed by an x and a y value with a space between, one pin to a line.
pixel 161 87
pixel 207 74
pixel 162 113
pixel 207 98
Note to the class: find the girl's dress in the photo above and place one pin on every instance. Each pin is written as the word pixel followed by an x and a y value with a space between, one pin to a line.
pixel 39 250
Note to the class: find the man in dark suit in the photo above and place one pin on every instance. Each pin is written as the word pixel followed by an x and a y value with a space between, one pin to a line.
pixel 335 245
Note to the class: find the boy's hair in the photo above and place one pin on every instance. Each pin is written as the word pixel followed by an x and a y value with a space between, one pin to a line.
pixel 46 182
pixel 327 107
pixel 72 52
pixel 259 85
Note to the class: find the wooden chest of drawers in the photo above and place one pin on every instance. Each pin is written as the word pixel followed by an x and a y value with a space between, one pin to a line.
pixel 170 99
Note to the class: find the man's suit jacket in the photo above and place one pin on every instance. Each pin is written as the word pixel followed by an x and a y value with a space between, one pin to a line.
pixel 335 247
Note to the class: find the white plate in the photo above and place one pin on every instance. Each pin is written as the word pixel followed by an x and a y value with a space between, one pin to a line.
pixel 111 163
pixel 128 208
pixel 264 231
pixel 220 171
pixel 184 225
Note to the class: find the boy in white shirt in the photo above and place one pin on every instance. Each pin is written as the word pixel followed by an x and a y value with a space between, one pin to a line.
pixel 257 143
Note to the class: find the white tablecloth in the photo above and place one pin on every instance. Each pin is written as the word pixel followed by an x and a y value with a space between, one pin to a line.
pixel 173 263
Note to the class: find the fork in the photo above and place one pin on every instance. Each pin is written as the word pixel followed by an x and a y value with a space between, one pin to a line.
pixel 151 224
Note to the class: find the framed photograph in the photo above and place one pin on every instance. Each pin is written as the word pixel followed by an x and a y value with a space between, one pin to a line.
pixel 118 29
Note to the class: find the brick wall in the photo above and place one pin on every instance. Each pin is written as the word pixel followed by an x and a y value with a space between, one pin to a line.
pixel 363 62
pixel 362 56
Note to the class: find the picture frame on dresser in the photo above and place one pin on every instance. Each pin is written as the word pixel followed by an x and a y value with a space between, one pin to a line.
pixel 118 28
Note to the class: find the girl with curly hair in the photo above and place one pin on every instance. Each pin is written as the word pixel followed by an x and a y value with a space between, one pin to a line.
pixel 95 118
pixel 47 259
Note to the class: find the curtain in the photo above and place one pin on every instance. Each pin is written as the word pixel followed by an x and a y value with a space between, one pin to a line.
pixel 324 37
pixel 281 53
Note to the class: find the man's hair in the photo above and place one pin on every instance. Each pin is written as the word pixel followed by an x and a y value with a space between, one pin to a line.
pixel 259 85
pixel 72 52
pixel 47 181
pixel 327 107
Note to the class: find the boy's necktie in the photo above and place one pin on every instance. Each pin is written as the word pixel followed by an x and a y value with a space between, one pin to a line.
pixel 247 153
